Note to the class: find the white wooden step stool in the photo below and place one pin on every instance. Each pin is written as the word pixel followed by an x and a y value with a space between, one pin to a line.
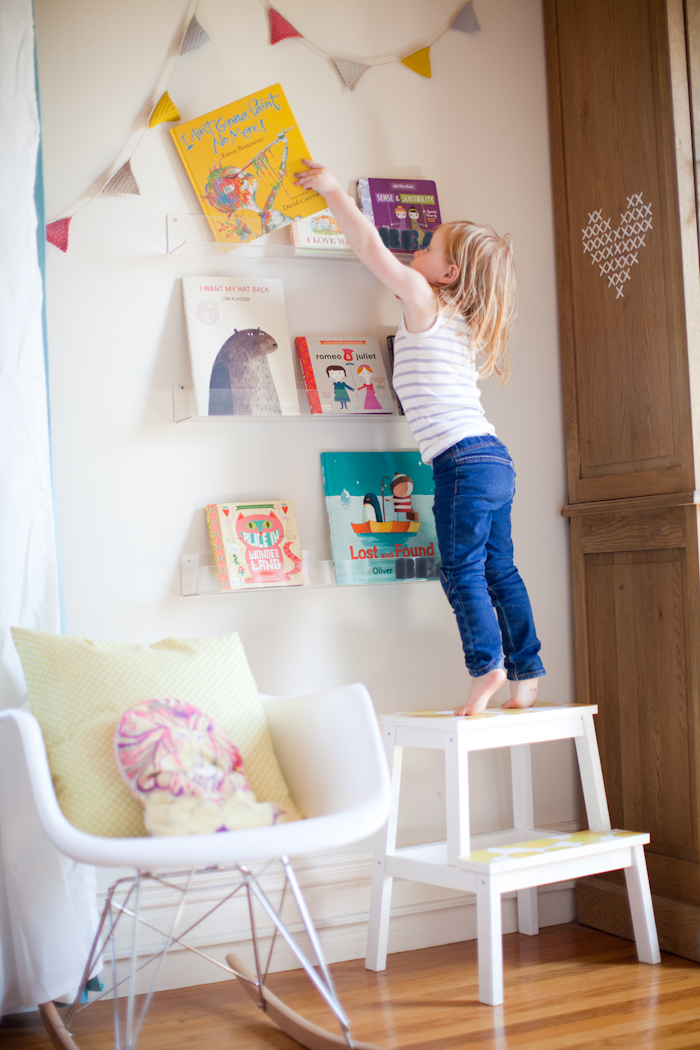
pixel 492 864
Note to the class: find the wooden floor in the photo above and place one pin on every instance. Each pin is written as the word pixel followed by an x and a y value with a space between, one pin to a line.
pixel 570 987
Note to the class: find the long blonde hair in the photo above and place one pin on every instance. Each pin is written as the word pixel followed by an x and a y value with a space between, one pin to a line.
pixel 483 291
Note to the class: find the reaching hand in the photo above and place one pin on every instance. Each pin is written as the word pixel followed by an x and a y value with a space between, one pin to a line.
pixel 316 177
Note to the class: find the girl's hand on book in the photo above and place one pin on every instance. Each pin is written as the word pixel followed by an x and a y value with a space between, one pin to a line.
pixel 317 178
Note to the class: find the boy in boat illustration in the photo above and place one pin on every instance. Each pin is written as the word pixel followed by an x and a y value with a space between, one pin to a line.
pixel 401 488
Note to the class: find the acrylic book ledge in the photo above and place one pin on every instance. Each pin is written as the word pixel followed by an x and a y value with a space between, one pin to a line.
pixel 198 576
pixel 192 235
pixel 185 410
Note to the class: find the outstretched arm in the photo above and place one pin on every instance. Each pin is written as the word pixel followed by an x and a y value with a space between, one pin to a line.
pixel 411 287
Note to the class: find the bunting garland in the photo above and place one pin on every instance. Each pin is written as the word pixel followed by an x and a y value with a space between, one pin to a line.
pixel 123 181
pixel 350 70
pixel 280 28
pixel 419 62
pixel 195 37
pixel 57 233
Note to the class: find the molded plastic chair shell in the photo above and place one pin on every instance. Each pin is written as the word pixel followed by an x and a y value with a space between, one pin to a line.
pixel 329 749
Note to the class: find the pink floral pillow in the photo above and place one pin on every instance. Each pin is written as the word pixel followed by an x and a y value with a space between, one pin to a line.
pixel 185 771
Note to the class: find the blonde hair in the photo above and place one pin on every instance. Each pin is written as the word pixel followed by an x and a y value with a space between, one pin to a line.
pixel 483 291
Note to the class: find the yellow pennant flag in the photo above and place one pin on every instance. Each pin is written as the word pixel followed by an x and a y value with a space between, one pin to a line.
pixel 165 110
pixel 419 61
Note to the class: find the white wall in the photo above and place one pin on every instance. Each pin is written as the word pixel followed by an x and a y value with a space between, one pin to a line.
pixel 132 485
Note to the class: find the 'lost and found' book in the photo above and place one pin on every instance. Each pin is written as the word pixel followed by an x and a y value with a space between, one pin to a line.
pixel 240 349
pixel 404 211
pixel 255 544
pixel 348 376
pixel 380 513
pixel 241 160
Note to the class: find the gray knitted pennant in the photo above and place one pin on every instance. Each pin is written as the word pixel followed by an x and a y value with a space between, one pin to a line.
pixel 350 71
pixel 123 181
pixel 465 20
pixel 194 38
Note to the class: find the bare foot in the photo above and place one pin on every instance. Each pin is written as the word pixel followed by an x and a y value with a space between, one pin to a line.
pixel 481 691
pixel 523 693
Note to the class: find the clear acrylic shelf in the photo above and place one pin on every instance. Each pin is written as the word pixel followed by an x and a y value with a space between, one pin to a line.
pixel 192 235
pixel 198 576
pixel 184 410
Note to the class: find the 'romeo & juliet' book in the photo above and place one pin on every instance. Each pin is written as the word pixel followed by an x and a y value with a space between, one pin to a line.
pixel 240 349
pixel 345 375
pixel 380 512
pixel 255 544
pixel 241 160
pixel 404 211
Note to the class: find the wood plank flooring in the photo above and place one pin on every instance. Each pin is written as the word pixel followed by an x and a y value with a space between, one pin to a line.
pixel 570 988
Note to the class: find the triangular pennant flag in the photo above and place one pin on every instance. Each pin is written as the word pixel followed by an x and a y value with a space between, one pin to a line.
pixel 465 20
pixel 122 181
pixel 419 61
pixel 165 110
pixel 194 38
pixel 57 233
pixel 280 28
pixel 350 71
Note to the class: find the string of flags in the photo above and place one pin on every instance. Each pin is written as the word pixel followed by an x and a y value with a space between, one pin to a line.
pixel 351 70
pixel 123 181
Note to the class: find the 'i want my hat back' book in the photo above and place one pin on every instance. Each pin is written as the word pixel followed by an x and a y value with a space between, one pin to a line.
pixel 241 160
pixel 380 512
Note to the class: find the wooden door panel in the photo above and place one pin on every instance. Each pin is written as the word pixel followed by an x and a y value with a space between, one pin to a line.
pixel 636 612
pixel 626 383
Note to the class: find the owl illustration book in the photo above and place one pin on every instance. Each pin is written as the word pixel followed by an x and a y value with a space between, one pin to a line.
pixel 255 544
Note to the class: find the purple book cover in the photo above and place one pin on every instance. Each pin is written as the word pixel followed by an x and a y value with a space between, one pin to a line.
pixel 404 211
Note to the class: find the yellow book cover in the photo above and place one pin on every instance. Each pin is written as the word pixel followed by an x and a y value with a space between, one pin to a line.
pixel 241 160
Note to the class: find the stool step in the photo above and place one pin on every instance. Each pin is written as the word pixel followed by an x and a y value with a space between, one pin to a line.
pixel 552 849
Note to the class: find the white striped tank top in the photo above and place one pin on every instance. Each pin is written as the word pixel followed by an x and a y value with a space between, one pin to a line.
pixel 435 379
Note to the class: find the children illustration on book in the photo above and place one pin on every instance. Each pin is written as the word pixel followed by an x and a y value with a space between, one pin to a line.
pixel 371 402
pixel 337 374
pixel 241 382
pixel 374 517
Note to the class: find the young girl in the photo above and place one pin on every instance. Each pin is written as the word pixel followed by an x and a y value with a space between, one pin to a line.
pixel 458 299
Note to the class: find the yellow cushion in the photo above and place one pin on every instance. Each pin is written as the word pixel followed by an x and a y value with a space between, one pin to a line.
pixel 78 689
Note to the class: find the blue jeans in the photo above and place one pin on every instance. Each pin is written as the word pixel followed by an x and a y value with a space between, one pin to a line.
pixel 474 489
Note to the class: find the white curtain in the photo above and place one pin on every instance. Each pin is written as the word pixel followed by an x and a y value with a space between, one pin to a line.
pixel 47 903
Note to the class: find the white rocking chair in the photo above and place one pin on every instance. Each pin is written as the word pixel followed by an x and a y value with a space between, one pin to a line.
pixel 330 752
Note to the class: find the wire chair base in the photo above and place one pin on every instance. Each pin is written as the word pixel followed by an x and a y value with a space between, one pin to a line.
pixel 124 902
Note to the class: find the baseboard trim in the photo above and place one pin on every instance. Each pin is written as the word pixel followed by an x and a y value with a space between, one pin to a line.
pixel 336 889
pixel 603 904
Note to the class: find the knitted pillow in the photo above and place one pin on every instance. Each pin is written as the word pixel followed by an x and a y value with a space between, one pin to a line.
pixel 185 771
pixel 79 689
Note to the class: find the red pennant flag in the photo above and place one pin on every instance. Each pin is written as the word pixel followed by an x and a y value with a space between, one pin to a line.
pixel 57 233
pixel 280 28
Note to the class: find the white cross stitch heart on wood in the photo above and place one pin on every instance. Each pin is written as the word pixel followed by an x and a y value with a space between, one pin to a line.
pixel 615 251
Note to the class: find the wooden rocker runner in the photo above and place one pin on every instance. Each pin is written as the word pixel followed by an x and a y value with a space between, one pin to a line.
pixel 329 749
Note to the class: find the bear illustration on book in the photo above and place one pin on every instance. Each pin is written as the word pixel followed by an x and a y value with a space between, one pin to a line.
pixel 241 382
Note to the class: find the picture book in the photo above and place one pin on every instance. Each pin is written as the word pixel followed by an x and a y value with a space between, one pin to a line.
pixel 241 160
pixel 345 375
pixel 255 544
pixel 240 348
pixel 404 211
pixel 321 232
pixel 380 512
